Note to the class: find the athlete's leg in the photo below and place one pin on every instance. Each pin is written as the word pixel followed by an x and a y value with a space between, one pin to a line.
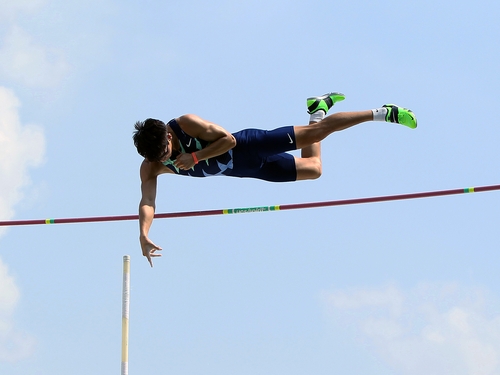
pixel 308 138
pixel 317 107
pixel 307 135
pixel 309 164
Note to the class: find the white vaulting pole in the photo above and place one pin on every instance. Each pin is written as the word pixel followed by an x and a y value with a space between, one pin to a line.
pixel 125 313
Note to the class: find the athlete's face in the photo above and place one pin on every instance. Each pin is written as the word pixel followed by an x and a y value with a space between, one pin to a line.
pixel 168 149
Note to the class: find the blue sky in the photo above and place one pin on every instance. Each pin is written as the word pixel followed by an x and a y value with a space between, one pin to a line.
pixel 394 288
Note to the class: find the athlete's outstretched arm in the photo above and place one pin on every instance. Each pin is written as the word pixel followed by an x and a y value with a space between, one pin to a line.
pixel 221 139
pixel 146 213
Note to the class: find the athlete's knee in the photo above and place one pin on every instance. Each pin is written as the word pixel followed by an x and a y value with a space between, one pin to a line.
pixel 316 170
pixel 309 169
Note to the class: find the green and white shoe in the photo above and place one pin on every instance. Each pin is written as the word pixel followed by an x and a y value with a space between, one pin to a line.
pixel 323 102
pixel 400 115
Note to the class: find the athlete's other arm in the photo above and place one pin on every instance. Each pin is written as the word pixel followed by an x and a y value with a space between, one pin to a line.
pixel 221 140
pixel 147 210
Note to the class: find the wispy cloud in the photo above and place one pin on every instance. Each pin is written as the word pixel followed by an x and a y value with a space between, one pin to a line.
pixel 23 59
pixel 14 345
pixel 10 9
pixel 29 63
pixel 21 147
pixel 430 329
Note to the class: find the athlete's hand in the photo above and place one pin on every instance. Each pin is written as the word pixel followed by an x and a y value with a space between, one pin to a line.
pixel 184 161
pixel 149 249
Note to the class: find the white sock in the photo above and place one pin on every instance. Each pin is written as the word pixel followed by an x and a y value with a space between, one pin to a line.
pixel 317 116
pixel 379 114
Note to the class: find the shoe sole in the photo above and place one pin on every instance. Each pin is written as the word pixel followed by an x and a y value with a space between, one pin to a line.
pixel 339 96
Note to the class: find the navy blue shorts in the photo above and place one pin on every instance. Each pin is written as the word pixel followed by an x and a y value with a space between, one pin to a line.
pixel 262 154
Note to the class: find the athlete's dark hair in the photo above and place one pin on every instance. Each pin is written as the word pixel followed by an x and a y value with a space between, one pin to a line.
pixel 150 138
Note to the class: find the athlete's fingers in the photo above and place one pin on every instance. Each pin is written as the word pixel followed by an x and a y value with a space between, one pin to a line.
pixel 150 255
pixel 184 161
